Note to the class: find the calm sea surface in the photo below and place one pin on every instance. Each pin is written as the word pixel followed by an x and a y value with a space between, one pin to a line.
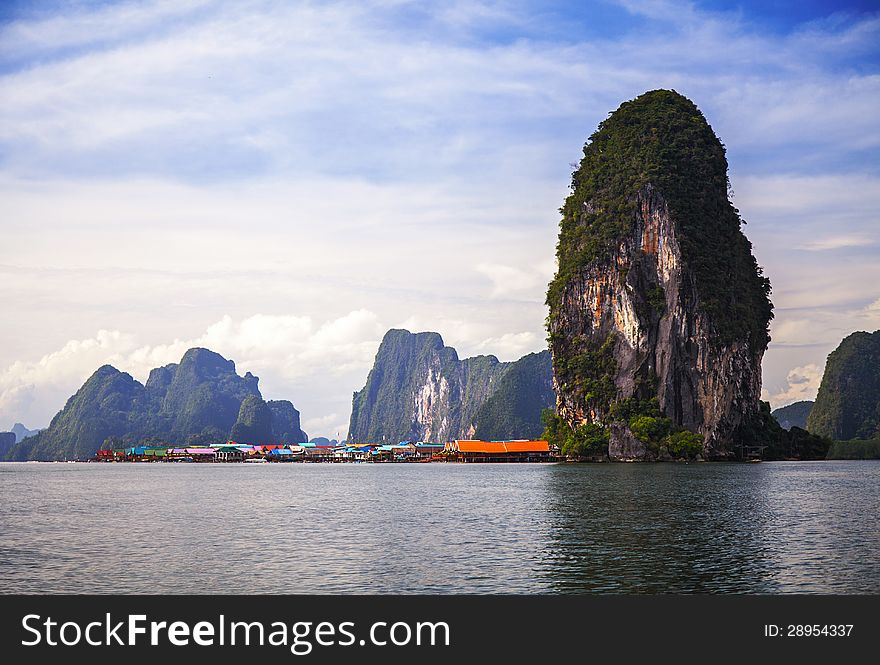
pixel 440 528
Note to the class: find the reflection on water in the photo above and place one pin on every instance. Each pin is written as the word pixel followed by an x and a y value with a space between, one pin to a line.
pixel 661 529
pixel 614 528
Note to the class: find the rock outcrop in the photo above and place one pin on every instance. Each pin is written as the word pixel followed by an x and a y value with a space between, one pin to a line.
pixel 285 422
pixel 419 390
pixel 254 424
pixel 196 401
pixel 848 402
pixel 202 392
pixel 657 295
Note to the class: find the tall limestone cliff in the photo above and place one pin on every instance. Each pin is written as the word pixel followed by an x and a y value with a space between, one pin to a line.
pixel 848 403
pixel 196 401
pixel 419 390
pixel 658 302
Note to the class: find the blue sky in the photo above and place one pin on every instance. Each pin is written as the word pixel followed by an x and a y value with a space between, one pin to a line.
pixel 285 181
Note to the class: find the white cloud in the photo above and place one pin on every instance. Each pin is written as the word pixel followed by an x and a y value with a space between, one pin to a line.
pixel 801 383
pixel 835 242
pixel 512 346
pixel 332 426
pixel 509 280
pixel 31 392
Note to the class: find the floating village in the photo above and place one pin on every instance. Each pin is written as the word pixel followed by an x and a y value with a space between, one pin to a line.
pixel 232 452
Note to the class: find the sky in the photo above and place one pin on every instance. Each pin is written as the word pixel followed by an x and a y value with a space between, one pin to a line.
pixel 282 182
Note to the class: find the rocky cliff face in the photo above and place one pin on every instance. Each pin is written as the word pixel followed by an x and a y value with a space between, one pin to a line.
pixel 419 390
pixel 657 294
pixel 848 403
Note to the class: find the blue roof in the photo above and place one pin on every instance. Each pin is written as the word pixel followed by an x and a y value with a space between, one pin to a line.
pixel 281 451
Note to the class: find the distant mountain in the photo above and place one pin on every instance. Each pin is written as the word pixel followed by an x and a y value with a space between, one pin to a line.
pixel 196 401
pixel 793 415
pixel 419 390
pixel 848 403
pixel 323 441
pixel 22 432
pixel 522 393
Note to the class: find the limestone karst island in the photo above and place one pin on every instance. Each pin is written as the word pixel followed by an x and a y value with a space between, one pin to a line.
pixel 657 326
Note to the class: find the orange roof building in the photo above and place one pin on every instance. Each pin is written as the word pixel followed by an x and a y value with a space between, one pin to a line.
pixel 500 450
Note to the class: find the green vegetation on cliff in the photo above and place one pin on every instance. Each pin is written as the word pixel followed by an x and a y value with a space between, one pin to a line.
pixel 259 422
pixel 109 404
pixel 587 440
pixel 514 410
pixel 203 391
pixel 661 138
pixel 848 403
pixel 589 371
pixel 855 449
pixel 792 444
pixel 254 424
pixel 644 420
pixel 285 423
